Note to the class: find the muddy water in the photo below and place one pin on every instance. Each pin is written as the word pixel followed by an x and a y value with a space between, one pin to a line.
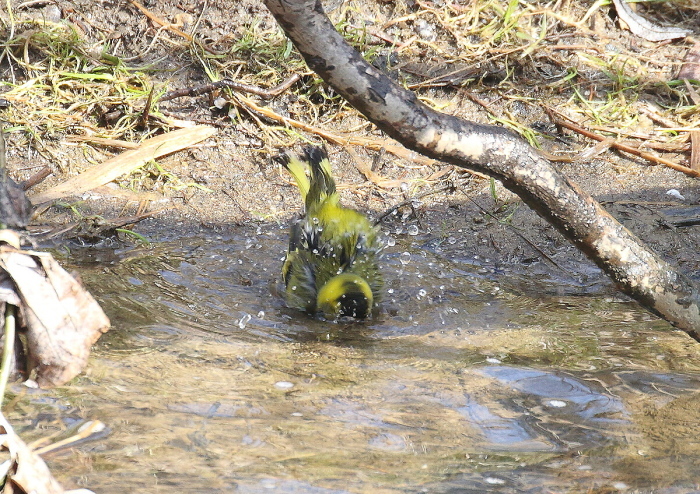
pixel 471 379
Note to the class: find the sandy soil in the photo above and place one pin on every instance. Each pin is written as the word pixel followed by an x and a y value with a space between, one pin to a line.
pixel 245 185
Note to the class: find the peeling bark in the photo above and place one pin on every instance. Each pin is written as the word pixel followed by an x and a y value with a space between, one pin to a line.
pixel 638 272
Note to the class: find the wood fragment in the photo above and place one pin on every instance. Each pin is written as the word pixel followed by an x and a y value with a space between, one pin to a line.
pixel 680 217
pixel 87 431
pixel 584 155
pixel 371 175
pixel 695 150
pixel 169 26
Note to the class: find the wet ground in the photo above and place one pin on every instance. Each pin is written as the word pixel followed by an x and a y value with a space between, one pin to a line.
pixel 468 380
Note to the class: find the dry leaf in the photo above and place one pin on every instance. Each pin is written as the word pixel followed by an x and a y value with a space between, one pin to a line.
pixel 28 472
pixel 126 162
pixel 61 319
pixel 645 29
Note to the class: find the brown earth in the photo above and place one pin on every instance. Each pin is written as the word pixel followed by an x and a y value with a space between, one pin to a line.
pixel 607 78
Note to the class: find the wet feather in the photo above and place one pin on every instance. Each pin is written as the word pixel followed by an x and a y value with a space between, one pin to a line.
pixel 331 264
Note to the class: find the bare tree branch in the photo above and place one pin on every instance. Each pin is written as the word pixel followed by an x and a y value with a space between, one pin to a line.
pixel 636 270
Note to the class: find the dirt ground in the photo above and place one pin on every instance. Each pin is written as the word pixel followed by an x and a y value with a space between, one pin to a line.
pixel 484 61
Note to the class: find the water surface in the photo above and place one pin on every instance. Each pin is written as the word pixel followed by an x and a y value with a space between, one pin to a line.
pixel 470 379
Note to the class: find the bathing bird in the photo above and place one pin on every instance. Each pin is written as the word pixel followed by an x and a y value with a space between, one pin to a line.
pixel 331 264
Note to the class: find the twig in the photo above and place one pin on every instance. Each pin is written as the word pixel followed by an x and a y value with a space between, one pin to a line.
pixel 618 145
pixel 390 146
pixel 159 21
pixel 37 178
pixel 238 86
pixel 102 141
pixel 143 119
pixel 105 226
pixel 168 25
pixel 8 349
pixel 89 431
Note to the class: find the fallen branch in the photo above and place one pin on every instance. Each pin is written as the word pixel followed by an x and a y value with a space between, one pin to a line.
pixel 497 152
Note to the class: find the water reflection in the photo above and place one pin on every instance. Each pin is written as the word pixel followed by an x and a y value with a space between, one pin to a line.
pixel 210 384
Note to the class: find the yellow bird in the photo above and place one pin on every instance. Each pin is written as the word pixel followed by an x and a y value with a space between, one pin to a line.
pixel 331 265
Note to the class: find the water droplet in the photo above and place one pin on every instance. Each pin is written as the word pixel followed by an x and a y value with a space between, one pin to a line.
pixel 390 290
pixel 421 293
pixel 556 403
pixel 390 241
pixel 244 320
pixel 284 385
pixel 413 230
pixel 494 481
pixel 405 258
pixel 261 314
pixel 451 240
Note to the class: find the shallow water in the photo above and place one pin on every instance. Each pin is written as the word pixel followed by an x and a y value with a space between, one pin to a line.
pixel 470 379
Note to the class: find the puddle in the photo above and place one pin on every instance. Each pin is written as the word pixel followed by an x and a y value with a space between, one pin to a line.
pixel 469 380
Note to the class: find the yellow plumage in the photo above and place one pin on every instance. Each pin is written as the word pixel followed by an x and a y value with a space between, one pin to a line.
pixel 331 264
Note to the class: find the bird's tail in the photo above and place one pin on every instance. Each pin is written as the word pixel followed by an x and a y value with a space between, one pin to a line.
pixel 322 184
pixel 319 185
pixel 297 169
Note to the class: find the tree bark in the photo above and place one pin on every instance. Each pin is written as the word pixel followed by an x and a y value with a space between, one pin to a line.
pixel 637 271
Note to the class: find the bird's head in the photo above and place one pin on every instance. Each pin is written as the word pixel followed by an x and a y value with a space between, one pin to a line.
pixel 345 295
